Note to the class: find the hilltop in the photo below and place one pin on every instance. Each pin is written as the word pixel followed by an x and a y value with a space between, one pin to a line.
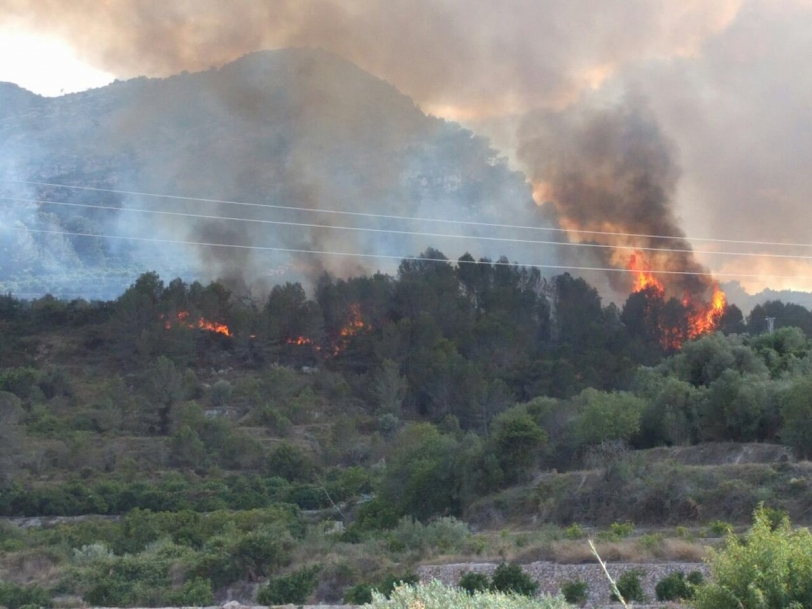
pixel 295 127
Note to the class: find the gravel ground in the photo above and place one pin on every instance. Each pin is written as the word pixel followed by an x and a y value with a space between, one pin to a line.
pixel 551 575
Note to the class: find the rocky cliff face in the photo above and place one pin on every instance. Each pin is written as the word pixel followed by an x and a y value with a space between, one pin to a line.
pixel 298 128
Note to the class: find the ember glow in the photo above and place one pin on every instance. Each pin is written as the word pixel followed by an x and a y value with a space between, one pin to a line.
pixel 355 324
pixel 182 317
pixel 300 340
pixel 701 317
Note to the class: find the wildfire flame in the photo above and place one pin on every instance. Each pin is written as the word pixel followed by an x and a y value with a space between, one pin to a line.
pixel 201 324
pixel 643 277
pixel 701 317
pixel 354 326
pixel 300 340
pixel 707 318
pixel 356 323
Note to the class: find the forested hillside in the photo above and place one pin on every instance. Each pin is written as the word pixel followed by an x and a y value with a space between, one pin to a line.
pixel 232 435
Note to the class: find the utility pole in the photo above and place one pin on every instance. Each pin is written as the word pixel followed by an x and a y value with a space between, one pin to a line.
pixel 770 324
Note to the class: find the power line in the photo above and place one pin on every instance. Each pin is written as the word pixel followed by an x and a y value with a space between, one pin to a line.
pixel 405 218
pixel 406 233
pixel 561 267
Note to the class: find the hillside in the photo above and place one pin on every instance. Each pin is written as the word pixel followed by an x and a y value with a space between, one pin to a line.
pixel 291 448
pixel 298 128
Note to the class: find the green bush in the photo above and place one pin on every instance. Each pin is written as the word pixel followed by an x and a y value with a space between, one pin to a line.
pixel 441 535
pixel 511 578
pixel 767 569
pixel 621 530
pixel 293 588
pixel 629 586
pixel 194 593
pixel 776 517
pixel 435 595
pixel 360 594
pixel 575 591
pixel 720 528
pixel 390 582
pixel 473 582
pixel 574 531
pixel 676 587
pixel 14 596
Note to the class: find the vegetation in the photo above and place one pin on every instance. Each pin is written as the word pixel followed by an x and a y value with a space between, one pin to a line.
pixel 371 426
pixel 770 567
pixel 473 582
pixel 676 587
pixel 575 591
pixel 510 578
pixel 629 586
pixel 437 596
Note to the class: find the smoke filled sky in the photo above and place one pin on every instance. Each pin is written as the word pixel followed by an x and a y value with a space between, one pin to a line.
pixel 724 84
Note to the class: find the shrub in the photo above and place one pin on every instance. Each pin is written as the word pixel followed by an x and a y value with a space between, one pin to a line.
pixel 443 535
pixel 650 541
pixel 696 578
pixel 574 531
pixel 511 578
pixel 390 582
pixel 720 528
pixel 220 393
pixel 621 530
pixel 194 593
pixel 676 587
pixel 473 582
pixel 291 463
pixel 776 517
pixel 575 591
pixel 293 588
pixel 768 569
pixel 14 596
pixel 629 586
pixel 435 595
pixel 360 594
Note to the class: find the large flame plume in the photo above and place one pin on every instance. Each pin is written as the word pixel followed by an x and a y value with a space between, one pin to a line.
pixel 611 175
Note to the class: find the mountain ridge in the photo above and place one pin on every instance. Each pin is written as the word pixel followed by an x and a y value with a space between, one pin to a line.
pixel 293 127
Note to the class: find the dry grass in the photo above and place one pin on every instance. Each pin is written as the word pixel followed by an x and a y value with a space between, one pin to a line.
pixel 36 566
pixel 627 550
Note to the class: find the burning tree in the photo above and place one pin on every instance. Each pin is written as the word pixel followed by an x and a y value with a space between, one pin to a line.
pixel 670 322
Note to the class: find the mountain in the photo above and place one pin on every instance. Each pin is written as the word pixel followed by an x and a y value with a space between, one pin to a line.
pixel 297 127
pixel 737 295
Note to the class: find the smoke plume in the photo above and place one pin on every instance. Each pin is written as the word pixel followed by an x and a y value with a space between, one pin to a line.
pixel 612 170
pixel 724 79
pixel 478 56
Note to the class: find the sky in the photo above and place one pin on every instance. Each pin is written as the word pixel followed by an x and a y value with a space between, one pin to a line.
pixel 727 83
pixel 45 64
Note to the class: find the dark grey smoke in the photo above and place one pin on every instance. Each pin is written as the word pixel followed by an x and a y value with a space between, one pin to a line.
pixel 611 169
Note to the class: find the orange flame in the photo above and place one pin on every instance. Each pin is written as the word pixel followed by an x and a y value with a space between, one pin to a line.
pixel 300 340
pixel 707 317
pixel 702 318
pixel 353 327
pixel 644 278
pixel 202 324
pixel 356 323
